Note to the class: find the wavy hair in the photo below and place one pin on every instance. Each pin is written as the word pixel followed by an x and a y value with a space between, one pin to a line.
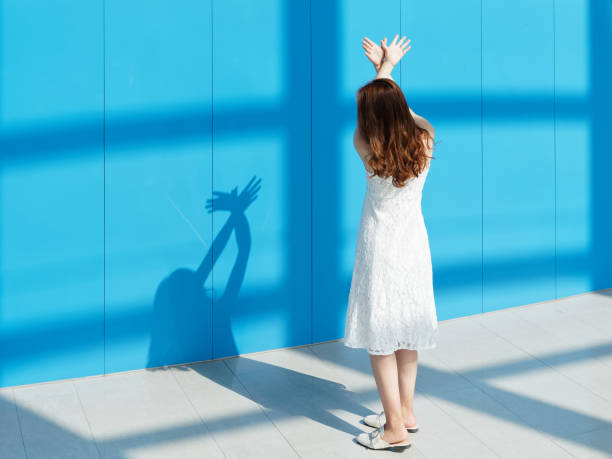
pixel 399 147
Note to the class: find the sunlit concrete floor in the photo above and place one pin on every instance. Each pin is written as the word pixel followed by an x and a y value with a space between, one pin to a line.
pixel 533 381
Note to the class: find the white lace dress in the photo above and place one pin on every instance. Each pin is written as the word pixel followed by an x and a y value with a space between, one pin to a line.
pixel 391 301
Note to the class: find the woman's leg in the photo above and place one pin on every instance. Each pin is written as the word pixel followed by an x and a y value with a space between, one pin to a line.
pixel 407 361
pixel 384 368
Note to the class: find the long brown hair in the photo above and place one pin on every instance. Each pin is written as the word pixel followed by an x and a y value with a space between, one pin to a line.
pixel 385 123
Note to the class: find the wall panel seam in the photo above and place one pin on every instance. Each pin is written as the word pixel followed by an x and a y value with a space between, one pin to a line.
pixel 104 182
pixel 481 162
pixel 400 27
pixel 212 178
pixel 311 193
pixel 554 9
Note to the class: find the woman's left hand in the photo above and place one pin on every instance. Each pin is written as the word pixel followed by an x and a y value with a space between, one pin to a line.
pixel 394 51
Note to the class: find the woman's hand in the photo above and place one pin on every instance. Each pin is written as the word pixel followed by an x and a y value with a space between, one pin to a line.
pixel 232 201
pixel 373 52
pixel 395 50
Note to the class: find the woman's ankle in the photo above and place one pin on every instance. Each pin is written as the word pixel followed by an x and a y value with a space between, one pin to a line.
pixel 409 418
pixel 395 429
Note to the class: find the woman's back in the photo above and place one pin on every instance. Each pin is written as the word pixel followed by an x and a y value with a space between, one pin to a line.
pixel 407 196
pixel 391 302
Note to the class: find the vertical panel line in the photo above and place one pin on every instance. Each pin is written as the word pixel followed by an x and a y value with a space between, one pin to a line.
pixel 554 27
pixel 104 180
pixel 311 193
pixel 212 177
pixel 482 279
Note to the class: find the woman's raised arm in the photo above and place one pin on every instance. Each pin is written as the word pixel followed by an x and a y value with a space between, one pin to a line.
pixel 392 54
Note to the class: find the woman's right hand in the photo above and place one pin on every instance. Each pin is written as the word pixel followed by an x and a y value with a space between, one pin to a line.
pixel 395 50
pixel 373 52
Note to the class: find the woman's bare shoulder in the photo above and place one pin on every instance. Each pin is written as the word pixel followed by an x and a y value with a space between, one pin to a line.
pixel 362 147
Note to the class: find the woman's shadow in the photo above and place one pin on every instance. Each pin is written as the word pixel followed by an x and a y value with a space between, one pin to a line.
pixel 182 328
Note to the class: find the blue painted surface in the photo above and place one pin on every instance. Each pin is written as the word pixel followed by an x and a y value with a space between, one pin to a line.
pixel 261 130
pixel 121 122
pixel 600 146
pixel 574 161
pixel 51 191
pixel 518 153
pixel 452 197
pixel 158 177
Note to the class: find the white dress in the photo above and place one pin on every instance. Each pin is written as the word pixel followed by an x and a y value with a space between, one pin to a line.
pixel 391 301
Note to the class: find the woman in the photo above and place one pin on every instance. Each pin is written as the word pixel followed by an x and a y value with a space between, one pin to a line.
pixel 391 311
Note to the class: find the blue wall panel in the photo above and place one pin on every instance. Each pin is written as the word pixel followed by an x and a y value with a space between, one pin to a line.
pixel 261 92
pixel 158 177
pixel 600 102
pixel 574 158
pixel 518 153
pixel 339 68
pixel 452 197
pixel 51 191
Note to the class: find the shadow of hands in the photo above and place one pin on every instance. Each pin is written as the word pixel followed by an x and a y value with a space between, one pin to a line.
pixel 232 201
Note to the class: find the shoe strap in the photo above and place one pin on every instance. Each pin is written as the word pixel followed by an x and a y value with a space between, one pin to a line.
pixel 376 437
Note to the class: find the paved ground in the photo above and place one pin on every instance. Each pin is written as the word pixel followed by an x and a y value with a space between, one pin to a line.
pixel 528 382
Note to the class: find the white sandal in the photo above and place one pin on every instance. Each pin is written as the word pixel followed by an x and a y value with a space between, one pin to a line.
pixel 374 440
pixel 377 420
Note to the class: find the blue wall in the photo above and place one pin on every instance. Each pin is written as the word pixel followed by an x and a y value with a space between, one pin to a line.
pixel 122 120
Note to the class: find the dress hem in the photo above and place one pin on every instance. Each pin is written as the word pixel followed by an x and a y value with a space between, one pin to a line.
pixel 416 347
